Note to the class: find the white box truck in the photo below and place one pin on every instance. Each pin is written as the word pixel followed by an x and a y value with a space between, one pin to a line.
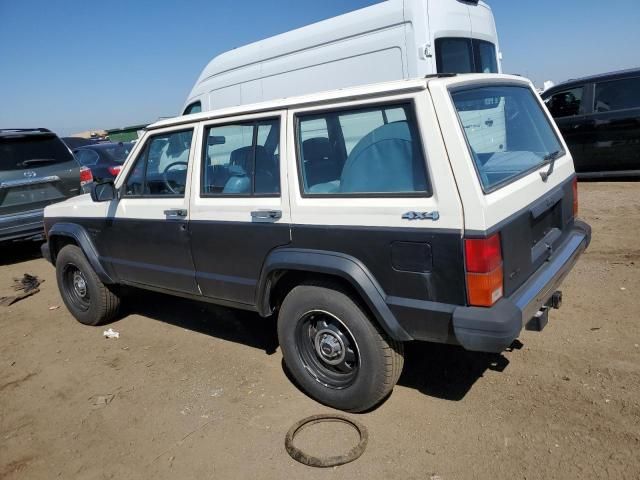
pixel 392 40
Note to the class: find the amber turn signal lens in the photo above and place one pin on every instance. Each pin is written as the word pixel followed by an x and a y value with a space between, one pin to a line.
pixel 485 289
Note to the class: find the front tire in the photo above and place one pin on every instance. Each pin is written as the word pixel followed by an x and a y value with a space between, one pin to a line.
pixel 86 297
pixel 334 351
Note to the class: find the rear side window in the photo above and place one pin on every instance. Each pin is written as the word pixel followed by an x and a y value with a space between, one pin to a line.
pixel 26 152
pixel 242 159
pixel 367 151
pixel 617 95
pixel 566 104
pixel 195 107
pixel 465 55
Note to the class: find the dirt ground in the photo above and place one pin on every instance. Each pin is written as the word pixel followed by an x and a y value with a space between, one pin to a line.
pixel 195 391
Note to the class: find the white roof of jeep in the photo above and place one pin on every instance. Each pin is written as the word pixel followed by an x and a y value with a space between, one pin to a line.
pixel 345 94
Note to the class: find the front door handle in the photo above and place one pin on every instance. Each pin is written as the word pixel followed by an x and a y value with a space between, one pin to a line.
pixel 266 215
pixel 177 213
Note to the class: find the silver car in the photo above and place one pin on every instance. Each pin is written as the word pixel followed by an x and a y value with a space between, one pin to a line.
pixel 36 170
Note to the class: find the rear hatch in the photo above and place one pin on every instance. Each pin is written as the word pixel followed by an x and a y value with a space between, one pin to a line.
pixel 36 169
pixel 514 172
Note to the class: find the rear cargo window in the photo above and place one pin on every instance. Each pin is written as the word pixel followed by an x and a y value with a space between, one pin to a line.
pixel 118 152
pixel 507 130
pixel 26 152
pixel 465 55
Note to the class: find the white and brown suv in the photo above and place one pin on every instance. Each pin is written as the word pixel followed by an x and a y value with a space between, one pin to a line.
pixel 439 209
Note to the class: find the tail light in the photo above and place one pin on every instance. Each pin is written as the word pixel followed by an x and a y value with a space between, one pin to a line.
pixel 485 279
pixel 115 170
pixel 575 197
pixel 85 176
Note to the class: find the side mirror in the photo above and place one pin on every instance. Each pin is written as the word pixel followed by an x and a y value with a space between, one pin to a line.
pixel 103 192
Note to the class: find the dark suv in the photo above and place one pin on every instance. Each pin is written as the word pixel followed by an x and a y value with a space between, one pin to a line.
pixel 599 117
pixel 36 170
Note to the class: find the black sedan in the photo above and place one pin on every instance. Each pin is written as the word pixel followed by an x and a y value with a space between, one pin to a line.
pixel 104 159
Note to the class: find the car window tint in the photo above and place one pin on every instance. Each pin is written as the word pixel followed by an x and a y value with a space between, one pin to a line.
pixel 566 104
pixel 314 128
pixel 86 157
pixel 617 95
pixel 32 151
pixel 119 152
pixel 486 59
pixel 465 55
pixel 195 107
pixel 161 167
pixel 267 171
pixel 374 151
pixel 518 137
pixel 242 159
pixel 454 55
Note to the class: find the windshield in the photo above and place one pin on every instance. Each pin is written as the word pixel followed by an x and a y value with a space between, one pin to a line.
pixel 507 131
pixel 24 152
pixel 119 152
pixel 465 55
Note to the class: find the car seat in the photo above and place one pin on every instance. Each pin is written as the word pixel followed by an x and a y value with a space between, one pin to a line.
pixel 385 160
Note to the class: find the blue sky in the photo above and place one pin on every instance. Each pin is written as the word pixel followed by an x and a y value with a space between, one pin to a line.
pixel 74 65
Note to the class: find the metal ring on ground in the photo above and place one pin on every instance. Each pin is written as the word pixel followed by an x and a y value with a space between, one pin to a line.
pixel 321 462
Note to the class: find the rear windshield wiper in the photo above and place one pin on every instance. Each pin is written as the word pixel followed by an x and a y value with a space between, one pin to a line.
pixel 33 161
pixel 552 157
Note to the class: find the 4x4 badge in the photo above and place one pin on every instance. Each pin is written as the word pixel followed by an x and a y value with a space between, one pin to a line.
pixel 421 216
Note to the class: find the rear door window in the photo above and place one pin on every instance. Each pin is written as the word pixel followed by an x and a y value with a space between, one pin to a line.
pixel 567 103
pixel 242 159
pixel 26 152
pixel 617 95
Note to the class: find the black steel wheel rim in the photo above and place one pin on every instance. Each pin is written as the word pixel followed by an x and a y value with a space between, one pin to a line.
pixel 327 349
pixel 75 287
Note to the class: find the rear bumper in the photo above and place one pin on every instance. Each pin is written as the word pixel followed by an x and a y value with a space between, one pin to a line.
pixel 494 329
pixel 22 225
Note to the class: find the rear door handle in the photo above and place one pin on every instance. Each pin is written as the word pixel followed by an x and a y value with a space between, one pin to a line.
pixel 177 213
pixel 266 215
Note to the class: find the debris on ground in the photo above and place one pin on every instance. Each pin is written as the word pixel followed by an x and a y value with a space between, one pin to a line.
pixel 99 401
pixel 28 285
pixel 111 333
pixel 217 392
pixel 325 462
pixel 54 307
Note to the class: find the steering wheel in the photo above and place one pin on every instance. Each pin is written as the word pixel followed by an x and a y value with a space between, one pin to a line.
pixel 165 179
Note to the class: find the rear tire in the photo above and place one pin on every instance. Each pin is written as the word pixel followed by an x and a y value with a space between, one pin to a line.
pixel 86 297
pixel 334 351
